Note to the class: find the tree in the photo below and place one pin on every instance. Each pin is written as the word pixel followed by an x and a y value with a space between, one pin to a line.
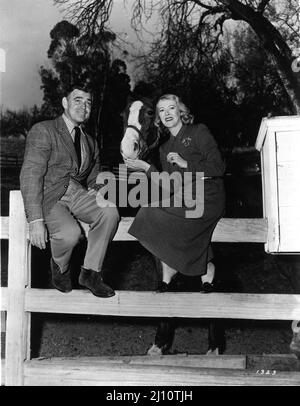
pixel 277 26
pixel 19 122
pixel 76 59
pixel 233 80
pixel 115 96
pixel 201 81
pixel 259 90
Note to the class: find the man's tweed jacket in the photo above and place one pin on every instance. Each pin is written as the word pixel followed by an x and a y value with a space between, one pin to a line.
pixel 50 161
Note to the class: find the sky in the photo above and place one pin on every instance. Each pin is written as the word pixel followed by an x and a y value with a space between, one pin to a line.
pixel 25 26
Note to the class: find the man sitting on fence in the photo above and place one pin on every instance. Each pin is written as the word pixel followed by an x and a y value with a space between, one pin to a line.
pixel 57 180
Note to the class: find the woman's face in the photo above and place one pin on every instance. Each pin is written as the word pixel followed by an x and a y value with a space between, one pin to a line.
pixel 169 113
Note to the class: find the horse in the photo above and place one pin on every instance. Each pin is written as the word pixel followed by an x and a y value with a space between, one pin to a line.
pixel 141 137
pixel 141 140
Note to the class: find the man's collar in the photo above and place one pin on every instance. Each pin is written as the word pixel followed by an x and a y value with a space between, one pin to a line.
pixel 70 124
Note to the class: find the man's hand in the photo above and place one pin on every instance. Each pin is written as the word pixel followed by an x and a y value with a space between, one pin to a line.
pixel 38 234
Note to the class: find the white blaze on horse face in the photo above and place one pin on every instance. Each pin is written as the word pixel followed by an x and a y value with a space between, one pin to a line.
pixel 130 141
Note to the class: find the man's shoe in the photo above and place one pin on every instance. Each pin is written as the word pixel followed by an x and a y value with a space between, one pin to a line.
pixel 93 281
pixel 61 281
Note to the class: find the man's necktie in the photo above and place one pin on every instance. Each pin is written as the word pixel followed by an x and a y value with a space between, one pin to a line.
pixel 77 144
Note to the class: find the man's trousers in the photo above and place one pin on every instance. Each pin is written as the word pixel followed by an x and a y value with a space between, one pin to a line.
pixel 65 231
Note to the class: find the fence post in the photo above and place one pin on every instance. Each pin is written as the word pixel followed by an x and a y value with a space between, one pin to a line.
pixel 18 322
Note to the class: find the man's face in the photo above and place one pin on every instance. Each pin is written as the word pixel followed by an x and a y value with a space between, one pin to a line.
pixel 77 106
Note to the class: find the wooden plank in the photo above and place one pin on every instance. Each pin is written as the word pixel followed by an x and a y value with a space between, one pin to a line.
pixel 3 322
pixel 2 373
pixel 270 192
pixel 199 361
pixel 151 304
pixel 194 360
pixel 271 362
pixel 27 329
pixel 288 173
pixel 266 362
pixel 241 230
pixel 72 372
pixel 4 227
pixel 288 183
pixel 16 324
pixel 3 297
pixel 289 218
pixel 227 230
pixel 278 123
pixel 288 146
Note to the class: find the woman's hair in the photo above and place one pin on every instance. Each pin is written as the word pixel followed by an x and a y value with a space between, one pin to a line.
pixel 185 115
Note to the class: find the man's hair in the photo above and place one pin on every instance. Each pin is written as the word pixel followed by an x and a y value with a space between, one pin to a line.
pixel 83 87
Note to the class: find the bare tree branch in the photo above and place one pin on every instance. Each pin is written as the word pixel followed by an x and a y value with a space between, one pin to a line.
pixel 190 18
pixel 89 15
pixel 262 5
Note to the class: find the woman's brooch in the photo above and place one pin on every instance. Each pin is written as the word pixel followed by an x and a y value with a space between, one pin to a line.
pixel 187 141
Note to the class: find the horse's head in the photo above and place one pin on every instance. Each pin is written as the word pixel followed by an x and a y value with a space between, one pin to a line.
pixel 140 133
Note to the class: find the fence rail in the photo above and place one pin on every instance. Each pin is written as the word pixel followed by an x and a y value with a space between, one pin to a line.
pixel 262 306
pixel 10 160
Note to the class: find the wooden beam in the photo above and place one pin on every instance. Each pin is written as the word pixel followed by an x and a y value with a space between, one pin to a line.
pixel 3 322
pixel 2 374
pixel 271 362
pixel 241 230
pixel 74 372
pixel 199 361
pixel 17 320
pixel 151 304
pixel 3 297
pixel 4 228
pixel 193 360
pixel 227 230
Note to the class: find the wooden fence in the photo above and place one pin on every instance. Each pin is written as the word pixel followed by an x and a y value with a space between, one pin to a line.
pixel 19 300
pixel 10 161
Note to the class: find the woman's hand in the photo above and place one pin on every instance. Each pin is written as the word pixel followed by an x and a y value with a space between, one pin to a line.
pixel 175 158
pixel 136 164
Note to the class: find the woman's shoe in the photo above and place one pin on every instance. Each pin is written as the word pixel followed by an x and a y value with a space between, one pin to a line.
pixel 207 287
pixel 162 287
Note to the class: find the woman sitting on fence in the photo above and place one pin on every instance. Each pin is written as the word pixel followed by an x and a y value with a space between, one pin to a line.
pixel 182 243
